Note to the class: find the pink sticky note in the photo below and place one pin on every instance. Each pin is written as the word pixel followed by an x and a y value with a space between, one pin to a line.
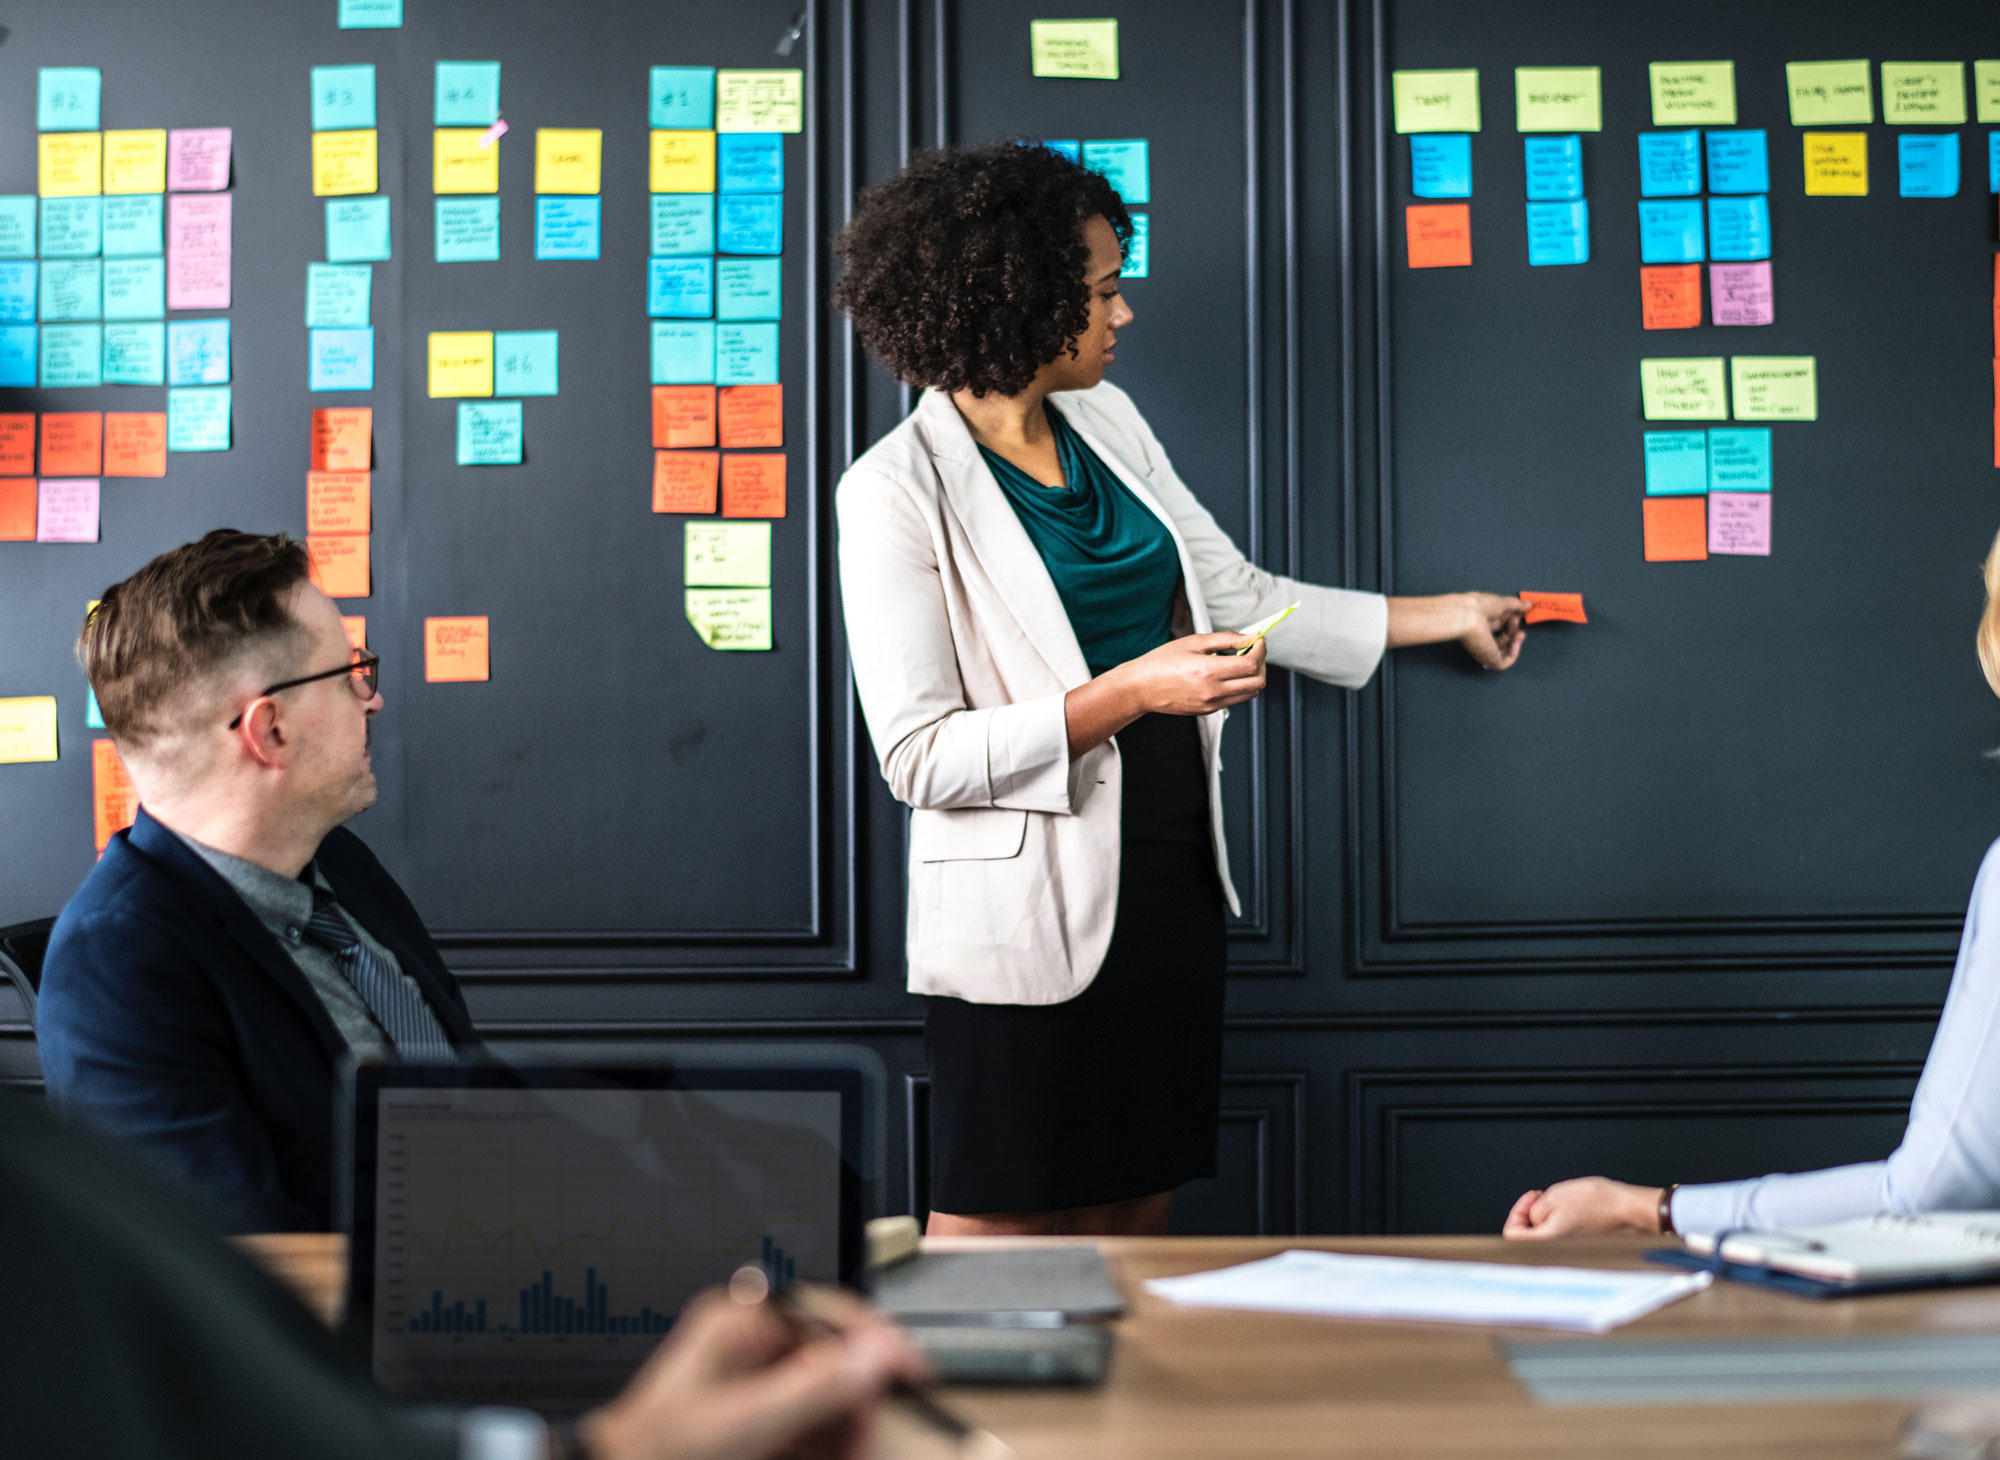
pixel 1739 523
pixel 198 251
pixel 198 159
pixel 1740 293
pixel 66 509
pixel 493 133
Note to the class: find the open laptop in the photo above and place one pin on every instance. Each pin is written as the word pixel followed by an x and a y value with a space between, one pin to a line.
pixel 525 1234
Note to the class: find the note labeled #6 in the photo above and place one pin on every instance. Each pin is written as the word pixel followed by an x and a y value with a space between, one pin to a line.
pixel 1554 607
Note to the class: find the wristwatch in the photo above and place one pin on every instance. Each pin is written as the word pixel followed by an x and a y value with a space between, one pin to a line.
pixel 1666 1213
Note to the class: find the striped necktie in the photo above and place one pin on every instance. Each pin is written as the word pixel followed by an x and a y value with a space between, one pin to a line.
pixel 412 1028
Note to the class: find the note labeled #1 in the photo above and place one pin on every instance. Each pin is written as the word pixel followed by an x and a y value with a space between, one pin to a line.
pixel 1684 389
pixel 1082 50
pixel 1546 608
pixel 1436 101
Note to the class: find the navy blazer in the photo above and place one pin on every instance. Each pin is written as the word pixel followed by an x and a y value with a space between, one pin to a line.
pixel 171 1018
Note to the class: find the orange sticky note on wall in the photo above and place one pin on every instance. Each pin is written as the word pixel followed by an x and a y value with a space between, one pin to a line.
pixel 1440 234
pixel 1676 529
pixel 17 444
pixel 683 415
pixel 753 486
pixel 339 565
pixel 1670 296
pixel 356 628
pixel 17 509
pixel 72 444
pixel 455 649
pixel 1552 607
pixel 684 481
pixel 1996 412
pixel 342 438
pixel 135 443
pixel 113 797
pixel 336 503
pixel 753 415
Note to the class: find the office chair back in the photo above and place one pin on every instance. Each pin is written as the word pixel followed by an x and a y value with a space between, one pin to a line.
pixel 21 949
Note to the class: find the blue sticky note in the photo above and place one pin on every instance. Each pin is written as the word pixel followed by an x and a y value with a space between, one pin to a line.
pixel 341 359
pixel 746 354
pixel 135 288
pixel 1124 165
pixel 1071 149
pixel 680 288
pixel 1670 233
pixel 357 230
pixel 1555 168
pixel 1441 164
pixel 72 354
pixel 467 94
pixel 683 352
pixel 750 223
pixel 1676 463
pixel 72 228
pixel 1740 228
pixel 524 362
pixel 198 418
pixel 489 433
pixel 748 289
pixel 1992 170
pixel 1739 459
pixel 198 352
pixel 67 98
pixel 17 227
pixel 371 14
pixel 17 355
pixel 1927 164
pixel 1738 162
pixel 135 354
pixel 682 98
pixel 567 228
pixel 337 295
pixel 93 718
pixel 343 98
pixel 750 162
pixel 72 289
pixel 683 224
pixel 1669 164
pixel 135 226
pixel 1559 233
pixel 467 230
pixel 17 293
pixel 1138 256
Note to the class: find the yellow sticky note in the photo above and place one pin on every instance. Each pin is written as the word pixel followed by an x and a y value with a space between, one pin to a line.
pixel 72 164
pixel 1775 387
pixel 731 618
pixel 460 165
pixel 1690 390
pixel 1829 91
pixel 343 163
pixel 1690 93
pixel 568 159
pixel 1558 99
pixel 462 363
pixel 1836 164
pixel 1081 49
pixel 1436 101
pixel 135 162
pixel 1986 90
pixel 727 555
pixel 760 101
pixel 682 162
pixel 27 729
pixel 1923 93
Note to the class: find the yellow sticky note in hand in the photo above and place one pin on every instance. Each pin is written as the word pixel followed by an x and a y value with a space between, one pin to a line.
pixel 462 363
pixel 760 101
pixel 343 163
pixel 72 164
pixel 1775 387
pixel 682 162
pixel 1836 164
pixel 1829 91
pixel 731 618
pixel 27 729
pixel 1691 93
pixel 1436 101
pixel 1080 49
pixel 1264 626
pixel 1685 389
pixel 135 162
pixel 460 165
pixel 568 159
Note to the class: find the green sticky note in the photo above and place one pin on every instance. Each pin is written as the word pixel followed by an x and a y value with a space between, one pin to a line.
pixel 343 98
pixel 357 230
pixel 198 418
pixel 135 226
pixel 467 230
pixel 72 354
pixel 1125 165
pixel 731 618
pixel 1923 93
pixel 1986 90
pixel 17 226
pixel 371 14
pixel 1138 253
pixel 683 224
pixel 135 354
pixel 67 98
pixel 1689 389
pixel 1693 93
pixel 337 295
pixel 683 352
pixel 489 433
pixel 728 555
pixel 72 228
pixel 524 362
pixel 467 94
pixel 72 289
pixel 135 288
pixel 1558 99
pixel 1084 50
pixel 1829 91
pixel 1436 101
pixel 1775 387
pixel 747 289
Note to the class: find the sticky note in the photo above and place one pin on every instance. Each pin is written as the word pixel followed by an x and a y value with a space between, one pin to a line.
pixel 681 97
pixel 1829 91
pixel 198 418
pixel 355 626
pixel 568 159
pixel 337 504
pixel 135 354
pixel 340 359
pixel 343 163
pixel 198 250
pixel 746 354
pixel 753 486
pixel 682 161
pixel 135 227
pixel 1079 50
pixel 66 510
pixel 371 14
pixel 460 165
pixel 1676 529
pixel 135 161
pixel 72 228
pixel 17 226
pixel 135 444
pixel 1693 93
pixel 567 228
pixel 1741 293
pixel 680 288
pixel 17 509
pixel 1739 524
pixel 1123 164
pixel 752 415
pixel 489 433
pixel 1690 389
pixel 1436 101
pixel 1072 150
pixel 1546 608
pixel 135 288
pixel 1927 164
pixel 683 352
pixel 752 223
pixel 339 566
pixel 72 354
pixel 198 159
pixel 525 362
pixel 357 231
pixel 17 443
pixel 1439 235
pixel 67 98
pixel 1986 90
pixel 198 352
pixel 456 649
pixel 1775 387
pixel 1836 164
pixel 731 618
pixel 684 415
pixel 1739 228
pixel 1138 249
pixel 1559 233
pixel 1555 168
pixel 461 363
pixel 685 481
pixel 1993 162
pixel 1441 164
pixel 1558 99
pixel 1739 459
pixel 70 165
pixel 337 295
pixel 343 438
pixel 72 443
pixel 1670 164
pixel 114 799
pixel 1670 232
pixel 465 94
pixel 1923 93
pixel 726 554
pixel 745 288
pixel 1738 161
pixel 17 293
pixel 748 162
pixel 467 230
pixel 1676 463
pixel 683 224
pixel 28 728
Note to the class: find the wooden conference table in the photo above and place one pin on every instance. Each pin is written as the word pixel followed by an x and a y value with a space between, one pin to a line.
pixel 1204 1383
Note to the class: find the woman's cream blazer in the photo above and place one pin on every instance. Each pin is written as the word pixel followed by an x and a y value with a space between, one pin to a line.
pixel 962 654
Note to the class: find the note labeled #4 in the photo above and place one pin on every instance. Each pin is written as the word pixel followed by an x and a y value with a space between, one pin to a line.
pixel 1546 608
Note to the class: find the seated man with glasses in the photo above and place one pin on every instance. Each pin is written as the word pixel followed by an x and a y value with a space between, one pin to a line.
pixel 232 944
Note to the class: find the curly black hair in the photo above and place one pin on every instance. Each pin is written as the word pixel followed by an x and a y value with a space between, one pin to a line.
pixel 965 270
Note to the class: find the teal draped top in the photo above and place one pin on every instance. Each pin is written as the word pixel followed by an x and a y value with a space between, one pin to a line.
pixel 1114 563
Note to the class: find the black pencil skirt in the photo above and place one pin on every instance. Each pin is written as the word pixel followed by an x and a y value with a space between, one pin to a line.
pixel 1114 1094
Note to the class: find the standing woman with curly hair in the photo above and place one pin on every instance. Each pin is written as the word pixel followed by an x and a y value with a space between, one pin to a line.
pixel 1038 614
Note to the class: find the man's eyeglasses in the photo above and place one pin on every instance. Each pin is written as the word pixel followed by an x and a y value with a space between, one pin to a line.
pixel 362 668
